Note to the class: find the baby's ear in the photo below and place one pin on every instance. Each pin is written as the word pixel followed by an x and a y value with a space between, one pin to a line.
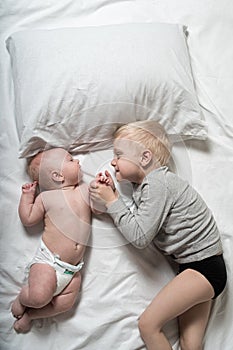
pixel 56 176
pixel 146 157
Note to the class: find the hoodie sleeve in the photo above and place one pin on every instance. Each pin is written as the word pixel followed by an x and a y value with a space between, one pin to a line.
pixel 141 225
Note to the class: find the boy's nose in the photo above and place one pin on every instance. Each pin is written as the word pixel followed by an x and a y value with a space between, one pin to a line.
pixel 113 162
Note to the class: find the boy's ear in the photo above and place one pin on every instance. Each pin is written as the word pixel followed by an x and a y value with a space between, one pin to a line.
pixel 56 176
pixel 146 157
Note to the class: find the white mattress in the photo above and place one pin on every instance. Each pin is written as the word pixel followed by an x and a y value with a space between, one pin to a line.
pixel 118 280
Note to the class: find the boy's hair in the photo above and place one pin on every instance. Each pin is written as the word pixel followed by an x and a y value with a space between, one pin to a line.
pixel 151 135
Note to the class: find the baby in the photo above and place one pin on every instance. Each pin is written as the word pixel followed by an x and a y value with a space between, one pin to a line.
pixel 54 278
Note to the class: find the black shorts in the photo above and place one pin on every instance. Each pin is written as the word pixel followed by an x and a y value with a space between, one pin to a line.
pixel 214 270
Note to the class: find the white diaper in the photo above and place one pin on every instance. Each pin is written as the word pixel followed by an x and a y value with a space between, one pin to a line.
pixel 64 271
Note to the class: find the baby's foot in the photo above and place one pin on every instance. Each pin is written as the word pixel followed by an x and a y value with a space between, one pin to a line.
pixel 17 309
pixel 23 325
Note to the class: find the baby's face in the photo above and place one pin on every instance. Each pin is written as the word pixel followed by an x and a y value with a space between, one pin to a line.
pixel 56 164
pixel 71 170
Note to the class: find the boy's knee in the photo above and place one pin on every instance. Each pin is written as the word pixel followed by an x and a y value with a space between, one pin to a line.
pixel 145 326
pixel 149 327
pixel 190 344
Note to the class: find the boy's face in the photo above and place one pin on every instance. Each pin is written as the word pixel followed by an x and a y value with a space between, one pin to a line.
pixel 127 160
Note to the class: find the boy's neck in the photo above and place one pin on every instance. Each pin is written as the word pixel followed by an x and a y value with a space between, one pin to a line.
pixel 150 168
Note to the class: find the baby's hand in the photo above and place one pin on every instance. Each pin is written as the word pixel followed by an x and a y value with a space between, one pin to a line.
pixel 100 178
pixel 29 188
pixel 106 179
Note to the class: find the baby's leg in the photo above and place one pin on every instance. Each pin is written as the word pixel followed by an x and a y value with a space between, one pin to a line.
pixel 39 291
pixel 17 309
pixel 59 304
pixel 23 324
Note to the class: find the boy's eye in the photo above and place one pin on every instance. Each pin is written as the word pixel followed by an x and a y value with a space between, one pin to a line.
pixel 117 154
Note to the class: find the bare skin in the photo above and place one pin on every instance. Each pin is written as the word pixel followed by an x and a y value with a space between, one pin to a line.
pixel 188 297
pixel 58 304
pixel 66 213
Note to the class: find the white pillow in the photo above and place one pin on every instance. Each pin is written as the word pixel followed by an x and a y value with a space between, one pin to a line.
pixel 75 86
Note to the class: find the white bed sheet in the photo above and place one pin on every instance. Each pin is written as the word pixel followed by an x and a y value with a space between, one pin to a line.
pixel 118 280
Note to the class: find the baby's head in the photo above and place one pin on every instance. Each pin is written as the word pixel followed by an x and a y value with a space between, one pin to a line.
pixel 54 168
pixel 150 135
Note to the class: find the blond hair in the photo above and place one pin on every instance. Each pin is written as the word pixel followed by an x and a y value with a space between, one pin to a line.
pixel 151 135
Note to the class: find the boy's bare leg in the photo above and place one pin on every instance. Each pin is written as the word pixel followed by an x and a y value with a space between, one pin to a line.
pixel 192 325
pixel 187 292
pixel 59 304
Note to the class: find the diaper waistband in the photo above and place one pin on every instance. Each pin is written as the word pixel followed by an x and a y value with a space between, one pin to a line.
pixel 60 265
pixel 68 269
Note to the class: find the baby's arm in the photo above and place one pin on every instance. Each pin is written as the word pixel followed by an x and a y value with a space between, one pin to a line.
pixel 31 210
pixel 85 215
pixel 96 208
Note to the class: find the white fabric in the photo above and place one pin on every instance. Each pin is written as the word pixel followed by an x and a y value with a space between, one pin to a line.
pixel 44 256
pixel 87 81
pixel 118 280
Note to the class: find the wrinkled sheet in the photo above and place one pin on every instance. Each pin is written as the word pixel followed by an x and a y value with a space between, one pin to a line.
pixel 118 280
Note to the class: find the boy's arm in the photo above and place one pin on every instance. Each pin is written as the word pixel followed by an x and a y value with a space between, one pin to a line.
pixel 97 206
pixel 31 209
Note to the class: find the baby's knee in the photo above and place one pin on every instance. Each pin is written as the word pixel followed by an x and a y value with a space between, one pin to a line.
pixel 38 298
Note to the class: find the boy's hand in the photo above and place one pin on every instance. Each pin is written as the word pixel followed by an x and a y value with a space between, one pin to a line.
pixel 109 180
